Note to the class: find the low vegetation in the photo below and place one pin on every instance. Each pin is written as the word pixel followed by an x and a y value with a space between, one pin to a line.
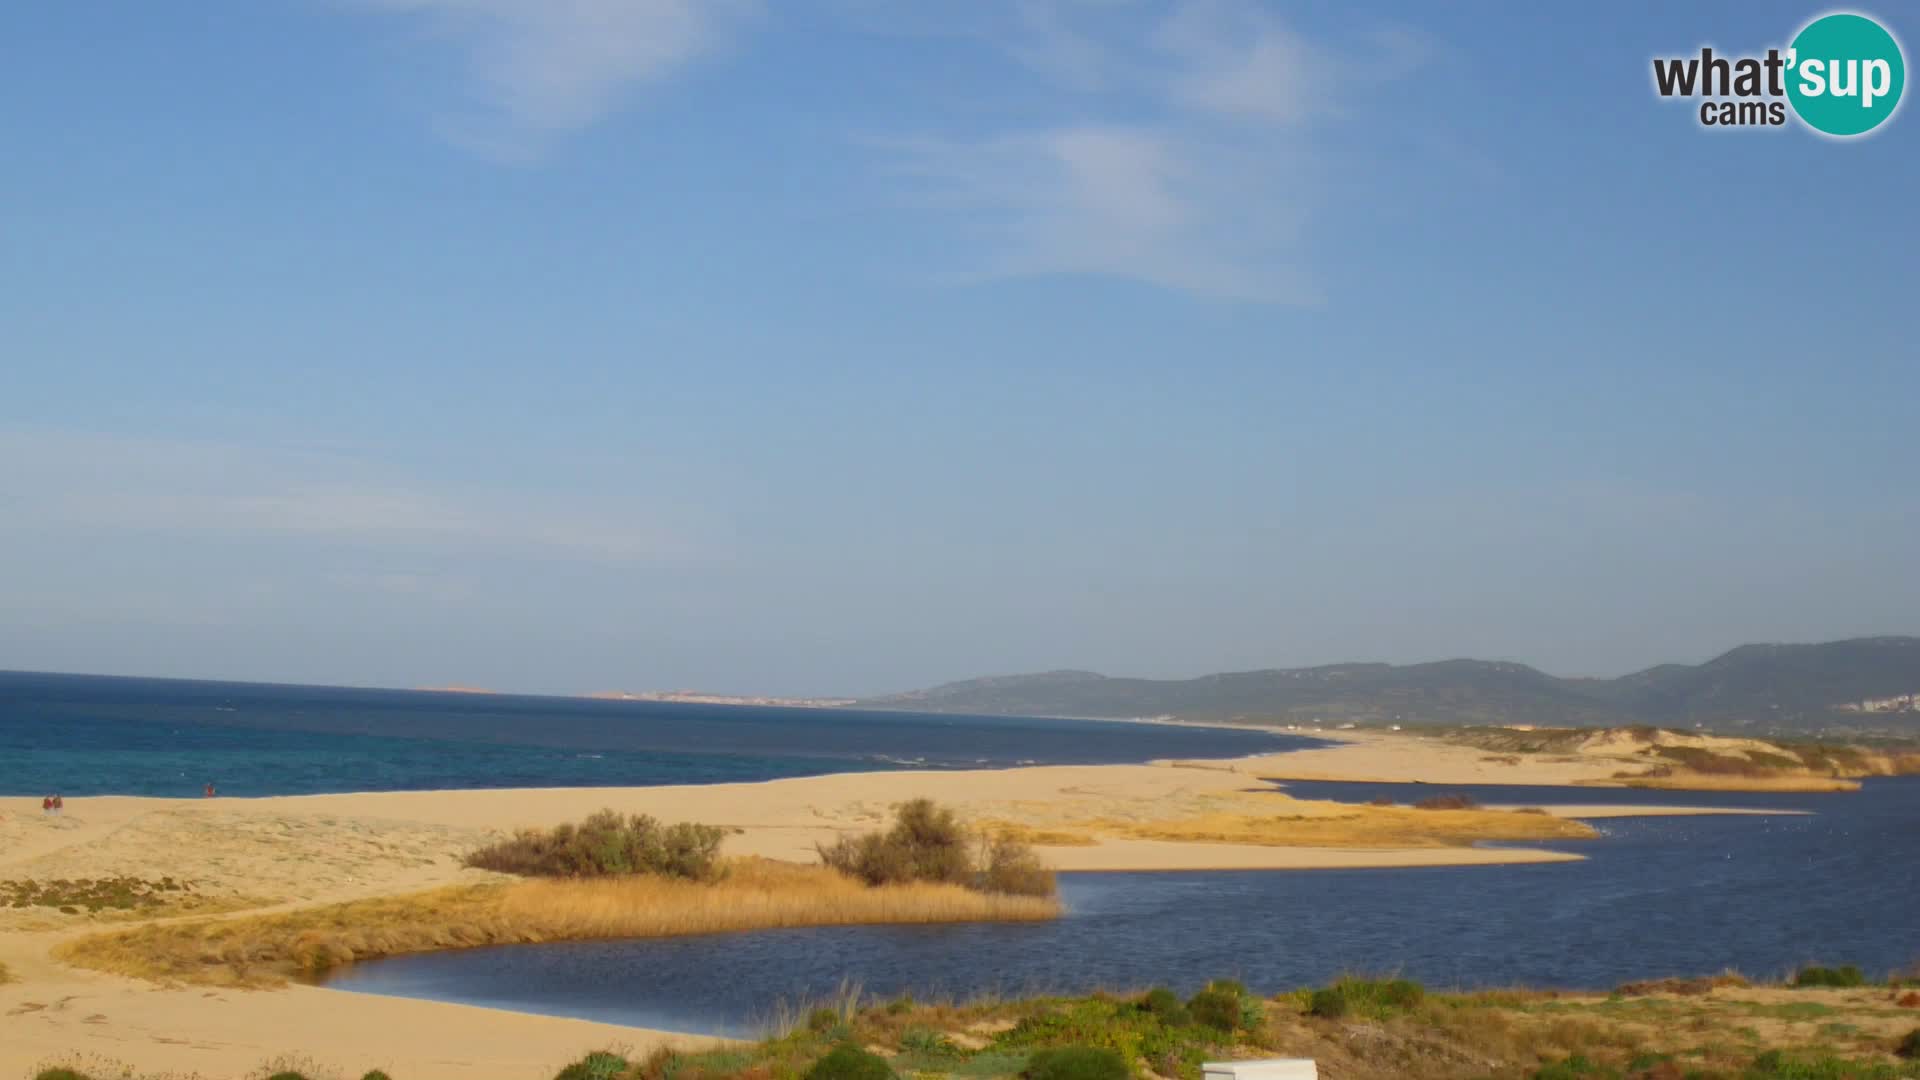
pixel 1824 976
pixel 1719 1028
pixel 1690 761
pixel 77 895
pixel 927 843
pixel 608 845
pixel 751 894
pixel 1347 826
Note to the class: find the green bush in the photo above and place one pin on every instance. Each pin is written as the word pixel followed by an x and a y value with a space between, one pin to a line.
pixel 927 1043
pixel 376 1074
pixel 599 1065
pixel 1077 1063
pixel 1576 1066
pixel 1371 998
pixel 1166 1005
pixel 849 1062
pixel 928 843
pixel 1011 867
pixel 58 1074
pixel 608 845
pixel 1820 976
pixel 823 1019
pixel 287 1076
pixel 1218 1006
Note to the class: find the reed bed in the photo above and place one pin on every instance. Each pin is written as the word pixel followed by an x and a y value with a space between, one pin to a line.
pixel 268 950
pixel 757 894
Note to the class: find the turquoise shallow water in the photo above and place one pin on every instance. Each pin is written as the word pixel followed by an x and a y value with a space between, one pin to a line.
pixel 92 735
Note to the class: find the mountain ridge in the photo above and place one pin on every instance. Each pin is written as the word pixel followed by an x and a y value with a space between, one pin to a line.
pixel 1853 684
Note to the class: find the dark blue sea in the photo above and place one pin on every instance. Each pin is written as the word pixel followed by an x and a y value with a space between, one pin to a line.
pixel 1655 897
pixel 94 735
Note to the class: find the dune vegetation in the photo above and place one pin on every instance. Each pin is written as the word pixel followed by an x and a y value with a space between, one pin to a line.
pixel 1690 761
pixel 1718 1028
pixel 1274 820
pixel 265 950
pixel 928 844
pixel 608 844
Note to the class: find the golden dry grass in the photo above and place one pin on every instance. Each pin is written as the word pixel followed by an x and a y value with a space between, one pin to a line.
pixel 1028 834
pixel 1317 824
pixel 267 950
pixel 1365 827
pixel 1687 780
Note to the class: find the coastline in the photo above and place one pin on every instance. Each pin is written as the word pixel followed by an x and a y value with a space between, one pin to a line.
pixel 287 853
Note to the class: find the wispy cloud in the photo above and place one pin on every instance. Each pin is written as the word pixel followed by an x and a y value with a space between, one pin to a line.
pixel 1192 161
pixel 1130 202
pixel 537 68
pixel 66 480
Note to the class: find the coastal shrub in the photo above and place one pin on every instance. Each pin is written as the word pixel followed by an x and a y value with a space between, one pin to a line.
pixel 61 1073
pixel 823 1019
pixel 608 845
pixel 849 1062
pixel 1370 998
pixel 1166 1006
pixel 599 1065
pixel 928 843
pixel 1011 867
pixel 1077 1063
pixel 1225 1005
pixel 1448 802
pixel 1909 1046
pixel 375 1074
pixel 1822 976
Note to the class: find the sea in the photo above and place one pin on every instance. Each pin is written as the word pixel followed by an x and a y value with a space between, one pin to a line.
pixel 95 735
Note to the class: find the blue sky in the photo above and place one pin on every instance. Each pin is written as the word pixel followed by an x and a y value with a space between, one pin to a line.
pixel 849 346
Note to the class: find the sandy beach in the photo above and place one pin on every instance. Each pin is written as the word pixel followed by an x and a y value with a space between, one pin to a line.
pixel 274 854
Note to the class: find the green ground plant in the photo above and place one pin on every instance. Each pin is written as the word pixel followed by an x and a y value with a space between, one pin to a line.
pixel 1077 1063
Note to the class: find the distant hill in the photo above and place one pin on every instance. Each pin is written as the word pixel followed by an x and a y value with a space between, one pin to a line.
pixel 1866 684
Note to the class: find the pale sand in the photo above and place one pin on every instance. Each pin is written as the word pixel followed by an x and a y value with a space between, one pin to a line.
pixel 1408 757
pixel 298 851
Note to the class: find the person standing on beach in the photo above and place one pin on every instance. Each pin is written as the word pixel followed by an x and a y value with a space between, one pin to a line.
pixel 209 789
pixel 46 806
pixel 59 804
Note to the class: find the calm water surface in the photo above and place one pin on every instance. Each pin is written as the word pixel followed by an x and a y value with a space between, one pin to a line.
pixel 1657 896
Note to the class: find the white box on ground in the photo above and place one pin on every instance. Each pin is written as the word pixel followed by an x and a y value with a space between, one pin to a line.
pixel 1267 1069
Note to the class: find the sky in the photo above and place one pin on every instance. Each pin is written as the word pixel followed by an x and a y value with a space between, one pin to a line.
pixel 847 346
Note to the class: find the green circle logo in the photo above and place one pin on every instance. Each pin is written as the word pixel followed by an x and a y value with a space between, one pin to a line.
pixel 1845 74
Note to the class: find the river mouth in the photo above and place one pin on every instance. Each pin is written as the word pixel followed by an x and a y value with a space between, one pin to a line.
pixel 1656 896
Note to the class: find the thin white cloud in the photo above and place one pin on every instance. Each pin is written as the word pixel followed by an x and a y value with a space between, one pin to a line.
pixel 65 480
pixel 1192 161
pixel 543 67
pixel 1126 202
